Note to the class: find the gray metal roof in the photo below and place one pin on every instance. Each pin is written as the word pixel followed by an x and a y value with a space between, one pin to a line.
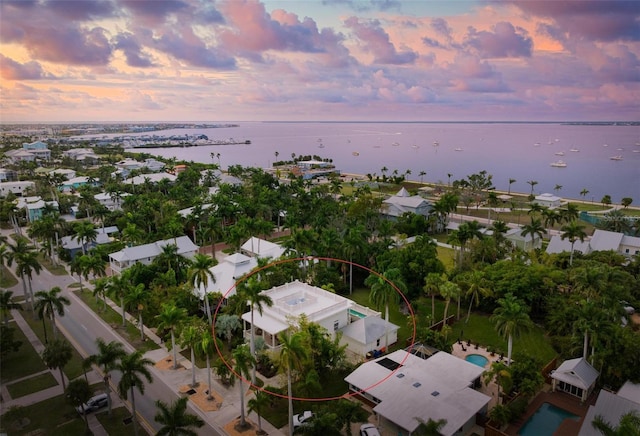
pixel 610 407
pixel 577 372
pixel 604 240
pixel 366 330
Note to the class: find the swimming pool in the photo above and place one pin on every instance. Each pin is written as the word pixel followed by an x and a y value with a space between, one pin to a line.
pixel 477 359
pixel 545 421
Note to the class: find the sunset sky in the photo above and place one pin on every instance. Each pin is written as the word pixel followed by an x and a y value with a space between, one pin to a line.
pixel 369 60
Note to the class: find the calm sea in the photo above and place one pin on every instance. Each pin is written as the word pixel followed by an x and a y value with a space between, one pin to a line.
pixel 522 152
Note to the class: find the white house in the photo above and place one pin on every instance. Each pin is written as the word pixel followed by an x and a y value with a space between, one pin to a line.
pixel 403 202
pixel 111 202
pixel 601 240
pixel 263 249
pixel 367 333
pixel 227 272
pixel 548 200
pixel 66 173
pixel 331 311
pixel 576 377
pixel 151 178
pixel 16 188
pixel 123 259
pixel 405 386
pixel 524 242
pixel 611 407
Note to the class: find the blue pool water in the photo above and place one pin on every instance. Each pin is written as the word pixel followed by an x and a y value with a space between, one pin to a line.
pixel 477 359
pixel 545 421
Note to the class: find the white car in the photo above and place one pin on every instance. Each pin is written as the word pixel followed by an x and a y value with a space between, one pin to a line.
pixel 302 418
pixel 369 430
pixel 96 402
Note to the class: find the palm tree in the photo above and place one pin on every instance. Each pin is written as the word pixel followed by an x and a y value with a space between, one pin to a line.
pixel 354 239
pixel 532 183
pixel 511 319
pixel 476 286
pixel 136 299
pixel 175 419
pixel 50 303
pixel 199 276
pixel 27 263
pixel 432 288
pixel 535 228
pixel 243 360
pixel 133 368
pixel 251 290
pixel 448 290
pixel 109 353
pixel 100 290
pixel 291 357
pixel 56 355
pixel 6 304
pixel 511 182
pixel 384 293
pixel 85 233
pixel 573 231
pixel 171 317
pixel 77 394
pixel 207 347
pixel 422 174
pixel 190 337
pixel 257 404
pixel 629 425
pixel 502 375
pixel 430 427
pixel 584 192
pixel 119 286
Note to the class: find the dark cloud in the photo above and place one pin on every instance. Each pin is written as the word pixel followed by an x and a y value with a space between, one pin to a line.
pixel 376 41
pixel 154 12
pixel 70 45
pixel 505 41
pixel 429 42
pixel 133 52
pixel 193 51
pixel 12 70
pixel 597 20
pixel 441 26
pixel 80 9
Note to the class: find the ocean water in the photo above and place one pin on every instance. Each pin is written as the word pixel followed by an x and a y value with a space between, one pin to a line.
pixel 520 151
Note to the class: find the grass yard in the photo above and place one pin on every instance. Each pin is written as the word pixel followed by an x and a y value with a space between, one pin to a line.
pixel 23 362
pixel 31 385
pixel 8 280
pixel 56 270
pixel 114 424
pixel 50 417
pixel 130 333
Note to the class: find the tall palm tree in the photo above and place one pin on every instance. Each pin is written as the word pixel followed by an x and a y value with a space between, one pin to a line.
pixel 107 358
pixel 257 404
pixel 134 367
pixel 511 182
pixel 383 293
pixel 50 303
pixel 532 183
pixel 448 290
pixel 27 263
pixel 243 361
pixel 77 394
pixel 85 233
pixel 432 288
pixel 136 299
pixel 200 275
pixel 573 231
pixel 190 337
pixel 56 355
pixel 207 347
pixel 354 240
pixel 476 286
pixel 6 304
pixel 430 427
pixel 292 355
pixel 119 286
pixel 175 420
pixel 171 317
pixel 251 290
pixel 511 319
pixel 535 228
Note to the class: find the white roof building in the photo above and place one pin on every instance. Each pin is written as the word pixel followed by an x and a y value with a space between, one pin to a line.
pixel 611 407
pixel 151 178
pixel 602 240
pixel 576 377
pixel 227 272
pixel 121 260
pixel 404 202
pixel 16 188
pixel 111 202
pixel 548 200
pixel 256 247
pixel 405 387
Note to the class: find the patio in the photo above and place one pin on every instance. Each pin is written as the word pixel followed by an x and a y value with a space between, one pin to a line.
pixel 462 350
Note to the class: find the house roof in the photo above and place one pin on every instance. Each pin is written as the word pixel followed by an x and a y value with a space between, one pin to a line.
pixel 610 407
pixel 369 329
pixel 604 240
pixel 548 197
pixel 577 372
pixel 434 388
pixel 558 245
pixel 227 272
pixel 262 248
pixel 630 391
pixel 132 254
pixel 153 178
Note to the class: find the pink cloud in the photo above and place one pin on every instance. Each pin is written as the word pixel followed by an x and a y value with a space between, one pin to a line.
pixel 504 41
pixel 12 70
pixel 376 41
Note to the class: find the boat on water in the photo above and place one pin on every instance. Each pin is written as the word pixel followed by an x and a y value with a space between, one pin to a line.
pixel 559 153
pixel 396 144
pixel 559 164
pixel 321 146
pixel 355 153
pixel 618 157
pixel 457 149
pixel 537 144
pixel 575 150
pixel 436 143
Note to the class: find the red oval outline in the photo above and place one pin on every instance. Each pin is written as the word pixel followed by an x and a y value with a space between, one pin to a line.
pixel 278 262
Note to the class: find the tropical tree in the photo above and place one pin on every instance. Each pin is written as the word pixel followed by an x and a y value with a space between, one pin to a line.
pixel 448 290
pixel 430 427
pixel 200 275
pixel 207 347
pixel 292 356
pixel 56 355
pixel 511 319
pixel 432 288
pixel 77 394
pixel 573 231
pixel 190 337
pixel 6 304
pixel 626 202
pixel 501 373
pixel 50 303
pixel 100 290
pixel 171 317
pixel 226 325
pixel 476 286
pixel 257 404
pixel 511 182
pixel 27 263
pixel 535 228
pixel 136 299
pixel 383 293
pixel 251 290
pixel 175 420
pixel 242 362
pixel 584 192
pixel 532 183
pixel 134 367
pixel 107 358
pixel 85 233
pixel 629 425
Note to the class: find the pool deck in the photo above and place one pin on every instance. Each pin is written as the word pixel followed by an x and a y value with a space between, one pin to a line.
pixel 562 400
pixel 462 350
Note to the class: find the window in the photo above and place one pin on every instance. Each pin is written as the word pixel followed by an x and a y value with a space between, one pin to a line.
pixel 378 343
pixel 336 325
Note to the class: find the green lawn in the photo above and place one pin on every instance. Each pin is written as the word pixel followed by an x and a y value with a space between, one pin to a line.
pixel 50 417
pixel 31 385
pixel 8 279
pixel 114 424
pixel 131 333
pixel 23 362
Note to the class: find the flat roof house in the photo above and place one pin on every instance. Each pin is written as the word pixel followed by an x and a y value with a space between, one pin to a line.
pixel 548 200
pixel 331 311
pixel 16 188
pixel 227 272
pixel 123 259
pixel 406 387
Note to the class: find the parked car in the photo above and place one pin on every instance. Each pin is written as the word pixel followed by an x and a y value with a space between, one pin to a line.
pixel 96 402
pixel 369 430
pixel 302 418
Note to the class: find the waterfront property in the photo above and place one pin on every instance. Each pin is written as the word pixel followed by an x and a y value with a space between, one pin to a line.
pixel 548 200
pixel 601 240
pixel 329 310
pixel 525 242
pixel 403 202
pixel 405 388
pixel 576 377
pixel 123 259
